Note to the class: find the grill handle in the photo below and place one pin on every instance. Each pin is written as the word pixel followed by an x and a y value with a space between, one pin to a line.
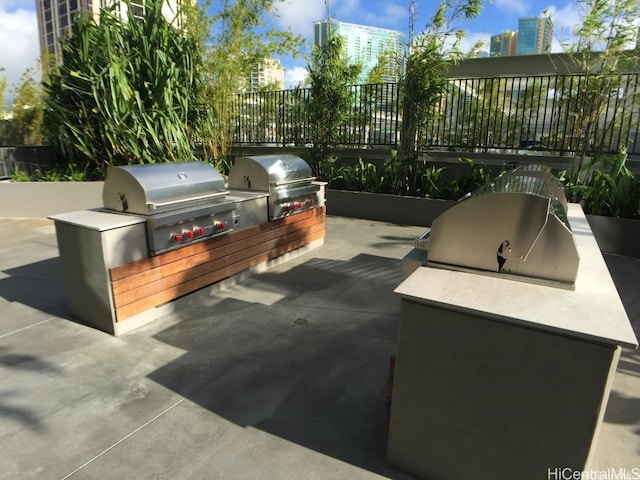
pixel 295 180
pixel 155 206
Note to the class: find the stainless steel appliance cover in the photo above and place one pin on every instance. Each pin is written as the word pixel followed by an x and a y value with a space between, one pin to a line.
pixel 268 172
pixel 146 188
pixel 287 178
pixel 516 225
pixel 181 202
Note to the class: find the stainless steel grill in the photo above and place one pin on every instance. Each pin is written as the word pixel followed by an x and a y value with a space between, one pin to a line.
pixel 515 225
pixel 182 202
pixel 287 179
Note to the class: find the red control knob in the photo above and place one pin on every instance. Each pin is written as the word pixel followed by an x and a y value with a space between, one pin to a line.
pixel 199 231
pixel 310 202
pixel 177 237
pixel 220 225
pixel 286 208
pixel 188 234
pixel 297 205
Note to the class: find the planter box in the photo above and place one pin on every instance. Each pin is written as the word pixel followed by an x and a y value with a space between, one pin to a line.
pixel 620 236
pixel 43 199
pixel 385 208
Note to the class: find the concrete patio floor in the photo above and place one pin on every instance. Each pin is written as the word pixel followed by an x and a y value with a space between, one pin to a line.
pixel 282 376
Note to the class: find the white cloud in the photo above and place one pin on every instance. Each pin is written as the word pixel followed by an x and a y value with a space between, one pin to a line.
pixel 299 15
pixel 346 8
pixel 293 77
pixel 392 16
pixel 19 39
pixel 511 7
pixel 9 4
pixel 565 20
pixel 471 38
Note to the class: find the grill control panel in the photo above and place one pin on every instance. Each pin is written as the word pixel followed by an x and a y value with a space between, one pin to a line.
pixel 175 235
pixel 294 206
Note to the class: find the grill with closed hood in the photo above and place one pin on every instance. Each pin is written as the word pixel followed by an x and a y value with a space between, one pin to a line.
pixel 182 202
pixel 515 225
pixel 287 179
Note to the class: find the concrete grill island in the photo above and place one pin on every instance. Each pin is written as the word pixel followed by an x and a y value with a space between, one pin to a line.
pixel 510 324
pixel 167 230
pixel 510 334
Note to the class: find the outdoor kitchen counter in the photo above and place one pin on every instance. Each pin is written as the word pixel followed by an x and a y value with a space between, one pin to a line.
pixel 592 311
pixel 112 283
pixel 498 378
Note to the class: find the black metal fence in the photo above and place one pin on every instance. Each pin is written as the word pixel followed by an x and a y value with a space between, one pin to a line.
pixel 551 113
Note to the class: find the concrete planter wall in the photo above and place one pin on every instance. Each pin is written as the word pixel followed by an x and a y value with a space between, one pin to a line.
pixel 619 236
pixel 385 208
pixel 42 199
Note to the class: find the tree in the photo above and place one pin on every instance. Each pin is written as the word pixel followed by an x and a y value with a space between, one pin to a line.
pixel 3 122
pixel 477 50
pixel 126 91
pixel 3 87
pixel 602 54
pixel 26 125
pixel 234 40
pixel 331 77
pixel 425 79
pixel 388 67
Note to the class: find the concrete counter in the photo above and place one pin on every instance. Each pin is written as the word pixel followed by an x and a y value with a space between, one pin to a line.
pixel 498 378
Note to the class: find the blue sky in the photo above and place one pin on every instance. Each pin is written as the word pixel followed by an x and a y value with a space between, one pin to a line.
pixel 19 46
pixel 495 17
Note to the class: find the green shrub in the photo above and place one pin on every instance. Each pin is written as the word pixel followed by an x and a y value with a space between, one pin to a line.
pixel 605 186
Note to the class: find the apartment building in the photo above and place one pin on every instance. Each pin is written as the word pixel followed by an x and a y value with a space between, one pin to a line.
pixel 503 44
pixel 363 44
pixel 270 72
pixel 55 17
pixel 535 35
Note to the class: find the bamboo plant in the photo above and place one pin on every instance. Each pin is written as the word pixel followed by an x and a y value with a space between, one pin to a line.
pixel 125 91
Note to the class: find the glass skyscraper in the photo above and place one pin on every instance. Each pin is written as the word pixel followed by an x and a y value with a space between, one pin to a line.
pixel 363 44
pixel 534 35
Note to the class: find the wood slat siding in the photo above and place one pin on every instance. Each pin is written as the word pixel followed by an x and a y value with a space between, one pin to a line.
pixel 152 281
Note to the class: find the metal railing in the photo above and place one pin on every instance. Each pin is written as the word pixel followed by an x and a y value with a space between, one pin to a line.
pixel 282 118
pixel 564 114
pixel 539 113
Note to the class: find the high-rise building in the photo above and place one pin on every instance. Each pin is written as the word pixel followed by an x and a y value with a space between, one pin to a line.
pixel 55 17
pixel 363 44
pixel 534 35
pixel 503 44
pixel 269 72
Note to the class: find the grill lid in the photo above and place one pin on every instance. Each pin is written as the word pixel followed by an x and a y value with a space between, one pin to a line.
pixel 150 188
pixel 269 172
pixel 516 224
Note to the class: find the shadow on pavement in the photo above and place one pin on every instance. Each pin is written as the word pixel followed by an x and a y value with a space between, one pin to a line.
pixel 315 376
pixel 37 285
